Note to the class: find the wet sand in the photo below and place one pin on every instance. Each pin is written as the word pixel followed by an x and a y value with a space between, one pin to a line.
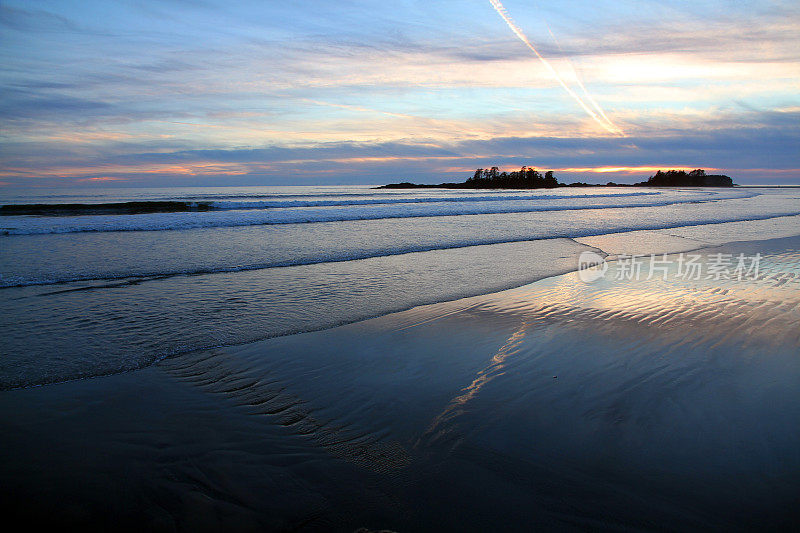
pixel 560 405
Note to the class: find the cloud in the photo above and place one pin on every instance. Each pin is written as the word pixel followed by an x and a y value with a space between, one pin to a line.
pixel 352 91
pixel 30 20
pixel 19 104
pixel 100 179
pixel 766 146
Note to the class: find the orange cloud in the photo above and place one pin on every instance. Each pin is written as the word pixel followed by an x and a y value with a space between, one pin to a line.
pixel 629 170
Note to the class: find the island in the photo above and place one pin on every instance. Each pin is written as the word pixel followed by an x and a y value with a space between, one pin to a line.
pixel 530 178
pixel 681 178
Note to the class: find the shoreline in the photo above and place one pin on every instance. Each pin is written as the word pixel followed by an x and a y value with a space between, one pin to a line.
pixel 342 419
pixel 160 274
pixel 610 245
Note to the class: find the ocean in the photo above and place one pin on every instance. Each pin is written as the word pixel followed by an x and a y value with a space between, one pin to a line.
pixel 338 358
pixel 85 295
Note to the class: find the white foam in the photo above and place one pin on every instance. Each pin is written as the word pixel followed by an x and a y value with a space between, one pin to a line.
pixel 274 204
pixel 29 225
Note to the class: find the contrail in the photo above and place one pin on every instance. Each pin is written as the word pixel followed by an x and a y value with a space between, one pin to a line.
pixel 580 83
pixel 600 117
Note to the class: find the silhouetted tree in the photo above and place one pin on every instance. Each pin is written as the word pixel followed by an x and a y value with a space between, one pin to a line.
pixel 549 180
pixel 680 178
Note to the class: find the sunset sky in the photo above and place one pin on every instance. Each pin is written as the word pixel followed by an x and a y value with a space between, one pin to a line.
pixel 200 92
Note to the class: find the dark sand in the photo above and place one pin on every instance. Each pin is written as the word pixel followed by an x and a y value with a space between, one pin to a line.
pixel 623 405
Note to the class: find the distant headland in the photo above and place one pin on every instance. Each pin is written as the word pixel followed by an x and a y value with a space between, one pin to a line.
pixel 530 178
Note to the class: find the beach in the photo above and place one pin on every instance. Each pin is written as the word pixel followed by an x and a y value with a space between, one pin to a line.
pixel 365 267
pixel 420 376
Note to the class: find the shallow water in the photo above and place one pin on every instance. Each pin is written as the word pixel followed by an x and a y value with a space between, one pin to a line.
pixel 618 404
pixel 89 303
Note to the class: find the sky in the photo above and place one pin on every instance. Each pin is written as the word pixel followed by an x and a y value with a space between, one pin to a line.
pixel 199 92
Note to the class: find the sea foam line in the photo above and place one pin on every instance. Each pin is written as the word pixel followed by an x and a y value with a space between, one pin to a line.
pixel 127 278
pixel 21 225
pixel 176 205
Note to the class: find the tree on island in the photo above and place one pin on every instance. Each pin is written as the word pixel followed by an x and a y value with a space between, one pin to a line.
pixel 524 178
pixel 680 178
pixel 530 178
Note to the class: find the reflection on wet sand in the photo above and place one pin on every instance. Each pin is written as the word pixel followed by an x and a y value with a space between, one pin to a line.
pixel 672 399
pixel 457 405
pixel 675 405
